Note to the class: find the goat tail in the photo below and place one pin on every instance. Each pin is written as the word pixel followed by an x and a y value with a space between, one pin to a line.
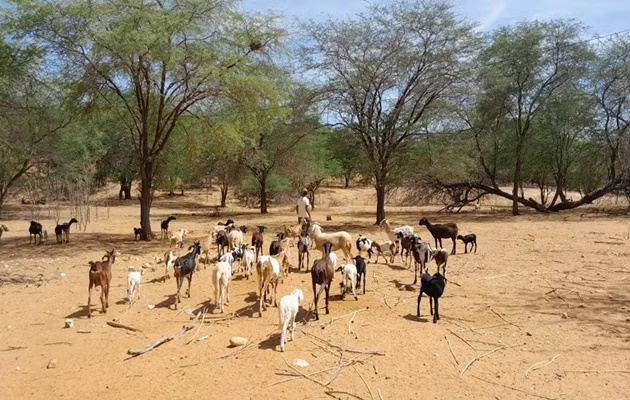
pixel 93 267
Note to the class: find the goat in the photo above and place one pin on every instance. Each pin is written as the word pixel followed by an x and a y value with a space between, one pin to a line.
pixel 101 275
pixel 361 271
pixel 258 240
pixel 384 248
pixel 169 261
pixel 295 231
pixel 63 231
pixel 339 240
pixel 441 257
pixel 392 233
pixel 235 238
pixel 269 272
pixel 406 244
pixel 137 232
pixel 222 241
pixel 471 238
pixel 348 276
pixel 433 286
pixel 177 238
pixel 441 231
pixel 164 225
pixel 421 252
pixel 274 247
pixel 185 267
pixel 34 230
pixel 287 310
pixel 322 273
pixel 303 249
pixel 248 260
pixel 365 244
pixel 3 228
pixel 221 279
pixel 134 278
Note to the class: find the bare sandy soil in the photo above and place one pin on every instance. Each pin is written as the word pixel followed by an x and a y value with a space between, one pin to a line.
pixel 542 310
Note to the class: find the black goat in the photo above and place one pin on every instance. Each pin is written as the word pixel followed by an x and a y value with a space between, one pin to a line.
pixel 472 239
pixel 63 231
pixel 35 230
pixel 274 247
pixel 185 267
pixel 361 271
pixel 137 232
pixel 164 226
pixel 258 240
pixel 441 231
pixel 222 242
pixel 433 286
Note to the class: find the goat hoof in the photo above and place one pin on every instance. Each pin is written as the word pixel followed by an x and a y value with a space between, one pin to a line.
pixel 356 298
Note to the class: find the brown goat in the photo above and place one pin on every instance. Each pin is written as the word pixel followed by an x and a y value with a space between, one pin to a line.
pixel 258 240
pixel 442 231
pixel 322 274
pixel 101 275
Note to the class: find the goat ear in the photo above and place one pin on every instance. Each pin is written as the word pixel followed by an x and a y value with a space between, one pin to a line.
pixel 338 269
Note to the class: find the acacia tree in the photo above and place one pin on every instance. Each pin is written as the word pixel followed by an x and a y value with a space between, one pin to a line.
pixel 159 59
pixel 386 72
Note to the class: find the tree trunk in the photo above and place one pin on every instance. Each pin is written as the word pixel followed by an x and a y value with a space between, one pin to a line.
pixel 263 195
pixel 224 193
pixel 146 176
pixel 347 178
pixel 515 187
pixel 312 198
pixel 380 203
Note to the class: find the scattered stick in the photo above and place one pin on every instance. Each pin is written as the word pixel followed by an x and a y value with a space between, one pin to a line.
pixel 606 242
pixel 163 339
pixel 386 303
pixel 296 377
pixel 203 316
pixel 117 325
pixel 491 277
pixel 338 369
pixel 538 366
pixel 54 343
pixel 345 315
pixel 331 393
pixel 366 385
pixel 514 388
pixel 240 350
pixel 380 396
pixel 501 316
pixel 476 358
pixel 350 323
pixel 370 352
pixel 463 340
pixel 449 347
pixel 586 371
pixel 14 348
pixel 303 374
pixel 84 331
pixel 554 291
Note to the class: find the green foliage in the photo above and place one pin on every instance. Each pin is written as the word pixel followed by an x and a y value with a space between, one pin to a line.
pixel 275 184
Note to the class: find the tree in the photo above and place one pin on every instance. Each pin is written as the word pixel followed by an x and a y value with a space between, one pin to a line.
pixel 344 146
pixel 523 68
pixel 387 72
pixel 159 59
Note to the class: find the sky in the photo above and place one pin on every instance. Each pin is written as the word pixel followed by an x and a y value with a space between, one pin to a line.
pixel 601 16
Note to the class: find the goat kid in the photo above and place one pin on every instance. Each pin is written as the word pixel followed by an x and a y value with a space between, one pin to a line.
pixel 287 311
pixel 348 278
pixel 134 278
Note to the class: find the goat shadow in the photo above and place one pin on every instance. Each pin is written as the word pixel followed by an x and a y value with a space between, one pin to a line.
pixel 272 341
pixel 83 312
pixel 414 318
pixel 407 286
pixel 169 301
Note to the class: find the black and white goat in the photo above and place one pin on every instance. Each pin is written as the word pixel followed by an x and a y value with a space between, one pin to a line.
pixel 137 232
pixel 361 271
pixel 184 268
pixel 62 231
pixel 365 244
pixel 274 247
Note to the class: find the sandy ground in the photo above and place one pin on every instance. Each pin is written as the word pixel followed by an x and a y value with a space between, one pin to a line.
pixel 546 294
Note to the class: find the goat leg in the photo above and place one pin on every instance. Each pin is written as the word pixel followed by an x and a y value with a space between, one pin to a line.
pixel 189 280
pixel 89 308
pixel 431 304
pixel 419 298
pixel 436 316
pixel 317 294
pixel 454 251
pixel 104 309
pixel 327 296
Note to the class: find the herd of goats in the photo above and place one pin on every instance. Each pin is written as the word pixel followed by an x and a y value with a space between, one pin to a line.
pixel 235 255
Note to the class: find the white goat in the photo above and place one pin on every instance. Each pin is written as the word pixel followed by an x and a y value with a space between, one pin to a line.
pixel 177 238
pixel 133 284
pixel 348 276
pixel 392 233
pixel 287 310
pixel 169 262
pixel 221 279
pixel 248 259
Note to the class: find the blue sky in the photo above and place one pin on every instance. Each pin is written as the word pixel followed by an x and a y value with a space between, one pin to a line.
pixel 602 16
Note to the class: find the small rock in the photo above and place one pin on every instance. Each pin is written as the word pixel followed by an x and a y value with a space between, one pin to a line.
pixel 565 315
pixel 151 306
pixel 69 323
pixel 52 363
pixel 300 363
pixel 528 333
pixel 582 306
pixel 17 368
pixel 137 259
pixel 238 341
pixel 63 274
pixel 259 365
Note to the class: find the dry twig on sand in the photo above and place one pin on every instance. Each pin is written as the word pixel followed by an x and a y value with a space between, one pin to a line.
pixel 476 358
pixel 539 366
pixel 164 339
pixel 117 325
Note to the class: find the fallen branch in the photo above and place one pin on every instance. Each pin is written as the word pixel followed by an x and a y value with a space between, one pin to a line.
pixel 380 396
pixel 479 357
pixel 164 339
pixel 14 348
pixel 371 352
pixel 303 374
pixel 84 331
pixel 345 315
pixel 537 366
pixel 339 368
pixel 501 316
pixel 295 377
pixel 586 371
pixel 463 340
pixel 203 316
pixel 117 325
pixel 449 347
pixel 606 242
